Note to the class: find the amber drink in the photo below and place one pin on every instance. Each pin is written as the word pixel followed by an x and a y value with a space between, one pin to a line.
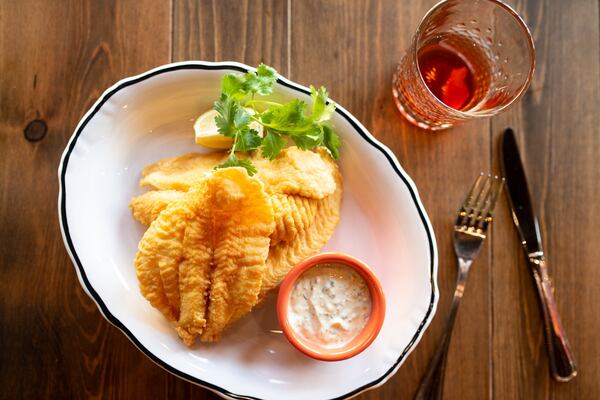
pixel 468 59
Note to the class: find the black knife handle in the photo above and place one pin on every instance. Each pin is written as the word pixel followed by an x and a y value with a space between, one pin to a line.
pixel 562 361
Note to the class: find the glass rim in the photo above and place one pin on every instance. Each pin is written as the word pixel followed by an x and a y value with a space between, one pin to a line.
pixel 522 90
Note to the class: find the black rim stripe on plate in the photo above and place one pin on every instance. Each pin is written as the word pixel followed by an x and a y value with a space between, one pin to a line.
pixel 112 319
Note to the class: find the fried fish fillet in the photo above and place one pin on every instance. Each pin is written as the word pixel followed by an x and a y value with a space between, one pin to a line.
pixel 292 213
pixel 308 242
pixel 181 172
pixel 295 178
pixel 146 207
pixel 219 241
pixel 242 218
pixel 159 253
pixel 215 238
pixel 294 171
pixel 195 268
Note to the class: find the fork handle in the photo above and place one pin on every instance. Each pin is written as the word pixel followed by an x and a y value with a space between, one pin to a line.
pixel 432 384
pixel 562 361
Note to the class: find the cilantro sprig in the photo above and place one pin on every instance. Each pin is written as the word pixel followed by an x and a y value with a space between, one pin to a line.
pixel 281 122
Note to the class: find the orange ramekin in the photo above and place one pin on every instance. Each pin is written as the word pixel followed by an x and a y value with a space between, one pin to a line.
pixel 369 332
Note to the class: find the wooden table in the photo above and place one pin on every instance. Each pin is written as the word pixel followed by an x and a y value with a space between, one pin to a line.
pixel 57 57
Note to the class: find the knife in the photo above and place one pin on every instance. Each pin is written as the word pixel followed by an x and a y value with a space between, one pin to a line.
pixel 562 362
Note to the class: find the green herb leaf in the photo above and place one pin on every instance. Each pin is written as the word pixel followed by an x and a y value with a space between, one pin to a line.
pixel 233 161
pixel 231 116
pixel 241 118
pixel 321 111
pixel 287 118
pixel 261 81
pixel 332 141
pixel 232 84
pixel 226 111
pixel 272 144
pixel 310 138
pixel 279 120
pixel 247 139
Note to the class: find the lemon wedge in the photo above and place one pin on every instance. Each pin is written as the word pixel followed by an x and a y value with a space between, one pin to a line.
pixel 207 134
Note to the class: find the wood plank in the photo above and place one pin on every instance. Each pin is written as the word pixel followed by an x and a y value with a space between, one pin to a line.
pixel 246 31
pixel 557 125
pixel 354 53
pixel 57 57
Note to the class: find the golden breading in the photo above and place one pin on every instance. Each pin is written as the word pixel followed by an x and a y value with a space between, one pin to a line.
pixel 146 207
pixel 293 214
pixel 214 239
pixel 196 267
pixel 242 223
pixel 159 254
pixel 220 240
pixel 308 242
pixel 294 171
pixel 295 178
pixel 181 172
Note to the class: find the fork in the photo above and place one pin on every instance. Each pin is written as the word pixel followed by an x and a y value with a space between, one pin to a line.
pixel 474 217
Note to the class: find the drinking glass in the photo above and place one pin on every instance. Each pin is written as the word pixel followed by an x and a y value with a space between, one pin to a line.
pixel 468 59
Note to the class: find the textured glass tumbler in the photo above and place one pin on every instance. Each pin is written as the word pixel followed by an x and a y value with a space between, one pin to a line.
pixel 493 43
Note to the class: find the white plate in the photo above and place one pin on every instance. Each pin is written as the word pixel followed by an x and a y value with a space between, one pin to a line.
pixel 144 118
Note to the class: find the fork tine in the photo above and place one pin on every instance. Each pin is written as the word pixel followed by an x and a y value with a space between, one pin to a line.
pixel 489 209
pixel 473 206
pixel 469 198
pixel 463 215
pixel 483 199
pixel 482 191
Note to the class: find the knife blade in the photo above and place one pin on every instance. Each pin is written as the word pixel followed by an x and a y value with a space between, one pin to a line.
pixel 562 361
pixel 519 196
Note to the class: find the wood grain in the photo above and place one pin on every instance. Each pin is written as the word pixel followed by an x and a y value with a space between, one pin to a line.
pixel 246 31
pixel 557 124
pixel 361 43
pixel 58 57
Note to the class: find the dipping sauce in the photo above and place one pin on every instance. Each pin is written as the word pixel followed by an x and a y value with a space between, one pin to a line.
pixel 330 305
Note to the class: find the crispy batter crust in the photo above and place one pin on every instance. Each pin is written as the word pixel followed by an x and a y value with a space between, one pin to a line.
pixel 308 242
pixel 219 240
pixel 295 180
pixel 242 223
pixel 146 207
pixel 181 172
pixel 201 262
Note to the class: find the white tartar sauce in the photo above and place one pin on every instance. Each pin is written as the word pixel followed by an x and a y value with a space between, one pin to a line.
pixel 330 305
